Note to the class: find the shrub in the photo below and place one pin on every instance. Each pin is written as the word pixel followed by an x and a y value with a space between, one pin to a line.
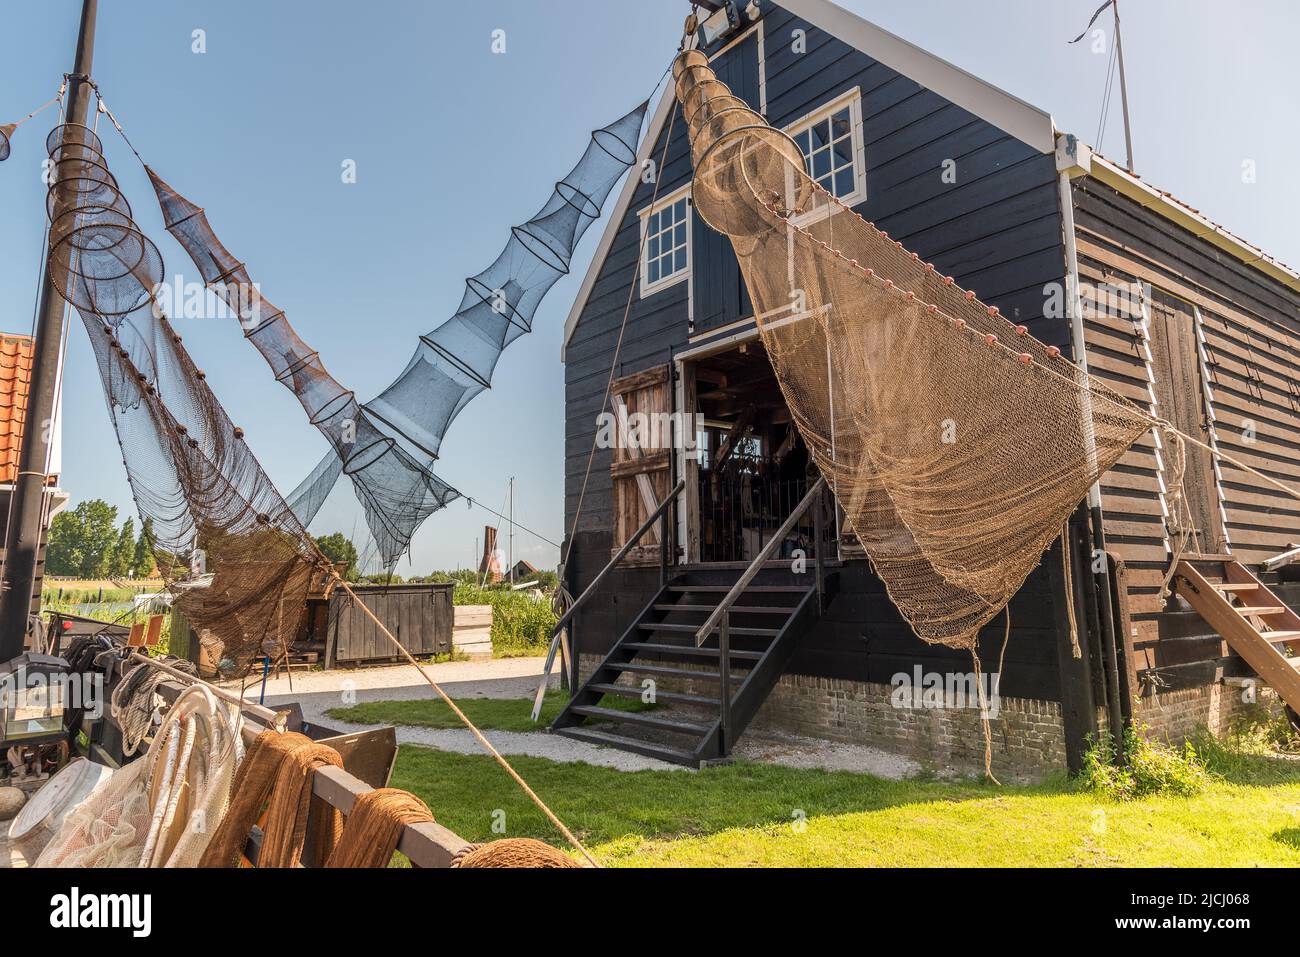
pixel 521 623
pixel 1142 768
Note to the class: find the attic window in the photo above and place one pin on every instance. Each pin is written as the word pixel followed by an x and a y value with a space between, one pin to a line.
pixel 666 232
pixel 831 141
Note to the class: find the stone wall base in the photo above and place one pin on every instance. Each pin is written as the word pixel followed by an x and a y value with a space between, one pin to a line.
pixel 1028 739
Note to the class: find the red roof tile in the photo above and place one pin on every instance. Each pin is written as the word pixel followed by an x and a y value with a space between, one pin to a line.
pixel 15 379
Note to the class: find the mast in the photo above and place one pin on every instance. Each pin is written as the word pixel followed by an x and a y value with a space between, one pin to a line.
pixel 27 508
pixel 1123 87
pixel 511 557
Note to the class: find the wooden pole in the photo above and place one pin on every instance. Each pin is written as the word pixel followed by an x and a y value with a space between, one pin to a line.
pixel 550 815
pixel 1123 87
pixel 28 504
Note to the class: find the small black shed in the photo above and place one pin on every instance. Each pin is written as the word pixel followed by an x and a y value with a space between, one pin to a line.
pixel 419 615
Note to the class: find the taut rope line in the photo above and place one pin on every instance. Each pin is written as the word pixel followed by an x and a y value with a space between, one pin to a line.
pixel 533 796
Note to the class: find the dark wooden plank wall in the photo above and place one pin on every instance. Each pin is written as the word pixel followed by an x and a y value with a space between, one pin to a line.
pixel 997 230
pixel 1251 325
pixel 418 615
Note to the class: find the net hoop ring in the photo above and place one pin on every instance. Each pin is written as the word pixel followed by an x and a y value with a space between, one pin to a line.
pixel 553 259
pixel 84 251
pixel 602 136
pixel 725 138
pixel 328 410
pixel 486 296
pixel 367 456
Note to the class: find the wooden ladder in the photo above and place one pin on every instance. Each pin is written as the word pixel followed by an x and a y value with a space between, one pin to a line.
pixel 1254 622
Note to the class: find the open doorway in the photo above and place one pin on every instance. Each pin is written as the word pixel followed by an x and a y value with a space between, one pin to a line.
pixel 750 468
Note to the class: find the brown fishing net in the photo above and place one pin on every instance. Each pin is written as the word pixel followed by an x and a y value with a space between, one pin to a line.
pixel 395 487
pixel 956 443
pixel 388 445
pixel 225 541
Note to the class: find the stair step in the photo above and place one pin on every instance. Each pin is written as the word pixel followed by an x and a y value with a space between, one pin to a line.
pixel 1273 637
pixel 736 609
pixel 656 648
pixel 662 752
pixel 762 632
pixel 1235 586
pixel 1259 609
pixel 646 719
pixel 667 671
pixel 757 589
pixel 672 697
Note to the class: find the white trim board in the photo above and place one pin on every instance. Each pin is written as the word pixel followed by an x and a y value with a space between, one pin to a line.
pixel 1021 120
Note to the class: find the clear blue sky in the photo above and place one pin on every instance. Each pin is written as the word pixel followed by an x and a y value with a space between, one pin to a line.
pixel 454 144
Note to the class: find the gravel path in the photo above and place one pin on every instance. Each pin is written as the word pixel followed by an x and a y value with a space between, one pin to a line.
pixel 318 691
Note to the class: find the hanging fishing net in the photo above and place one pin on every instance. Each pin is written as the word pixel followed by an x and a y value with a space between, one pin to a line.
pixel 956 443
pixel 162 809
pixel 6 131
pixel 226 543
pixel 455 362
pixel 395 486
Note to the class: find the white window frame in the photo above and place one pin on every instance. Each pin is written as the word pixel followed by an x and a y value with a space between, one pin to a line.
pixel 649 288
pixel 852 98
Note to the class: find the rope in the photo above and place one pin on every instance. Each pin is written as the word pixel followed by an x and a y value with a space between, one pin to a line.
pixel 277 774
pixel 465 720
pixel 511 852
pixel 56 98
pixel 375 826
pixel 132 702
pixel 622 329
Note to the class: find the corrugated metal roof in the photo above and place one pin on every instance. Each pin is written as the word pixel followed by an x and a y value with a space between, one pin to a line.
pixel 15 380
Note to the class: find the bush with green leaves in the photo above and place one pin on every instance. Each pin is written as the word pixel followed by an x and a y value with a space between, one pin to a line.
pixel 521 623
pixel 1142 767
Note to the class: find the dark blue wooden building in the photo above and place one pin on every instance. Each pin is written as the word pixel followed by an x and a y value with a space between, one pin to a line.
pixel 982 185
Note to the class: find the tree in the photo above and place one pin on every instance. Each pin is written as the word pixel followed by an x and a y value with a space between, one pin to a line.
pixel 339 548
pixel 119 565
pixel 142 562
pixel 82 541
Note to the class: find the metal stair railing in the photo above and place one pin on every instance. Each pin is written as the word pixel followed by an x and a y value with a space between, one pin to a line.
pixel 571 655
pixel 720 618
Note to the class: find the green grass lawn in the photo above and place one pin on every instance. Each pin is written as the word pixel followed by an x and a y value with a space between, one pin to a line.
pixel 749 814
pixel 490 714
pixel 763 814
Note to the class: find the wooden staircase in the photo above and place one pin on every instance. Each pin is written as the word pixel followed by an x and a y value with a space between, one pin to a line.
pixel 719 695
pixel 1254 622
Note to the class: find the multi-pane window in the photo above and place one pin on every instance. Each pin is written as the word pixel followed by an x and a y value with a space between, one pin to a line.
pixel 831 141
pixel 667 243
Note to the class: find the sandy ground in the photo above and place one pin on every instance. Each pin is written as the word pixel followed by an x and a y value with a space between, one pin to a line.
pixel 319 691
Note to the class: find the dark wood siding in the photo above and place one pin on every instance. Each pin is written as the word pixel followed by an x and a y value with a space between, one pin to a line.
pixel 997 230
pixel 1251 330
pixel 418 615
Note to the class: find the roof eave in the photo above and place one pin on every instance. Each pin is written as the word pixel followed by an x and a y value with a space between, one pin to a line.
pixel 1079 159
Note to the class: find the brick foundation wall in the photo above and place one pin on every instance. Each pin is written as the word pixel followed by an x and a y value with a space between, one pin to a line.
pixel 1177 715
pixel 1028 740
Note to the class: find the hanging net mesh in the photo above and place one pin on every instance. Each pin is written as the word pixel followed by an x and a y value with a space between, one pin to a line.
pixel 6 131
pixel 226 542
pixel 395 486
pixel 956 443
pixel 387 447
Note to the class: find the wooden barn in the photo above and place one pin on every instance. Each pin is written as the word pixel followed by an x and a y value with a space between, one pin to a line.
pixel 1170 309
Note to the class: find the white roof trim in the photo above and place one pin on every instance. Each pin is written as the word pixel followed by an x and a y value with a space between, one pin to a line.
pixel 667 100
pixel 1076 156
pixel 1022 120
pixel 1007 112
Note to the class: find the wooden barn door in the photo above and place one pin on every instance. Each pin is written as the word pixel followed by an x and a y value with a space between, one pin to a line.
pixel 1180 398
pixel 642 466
